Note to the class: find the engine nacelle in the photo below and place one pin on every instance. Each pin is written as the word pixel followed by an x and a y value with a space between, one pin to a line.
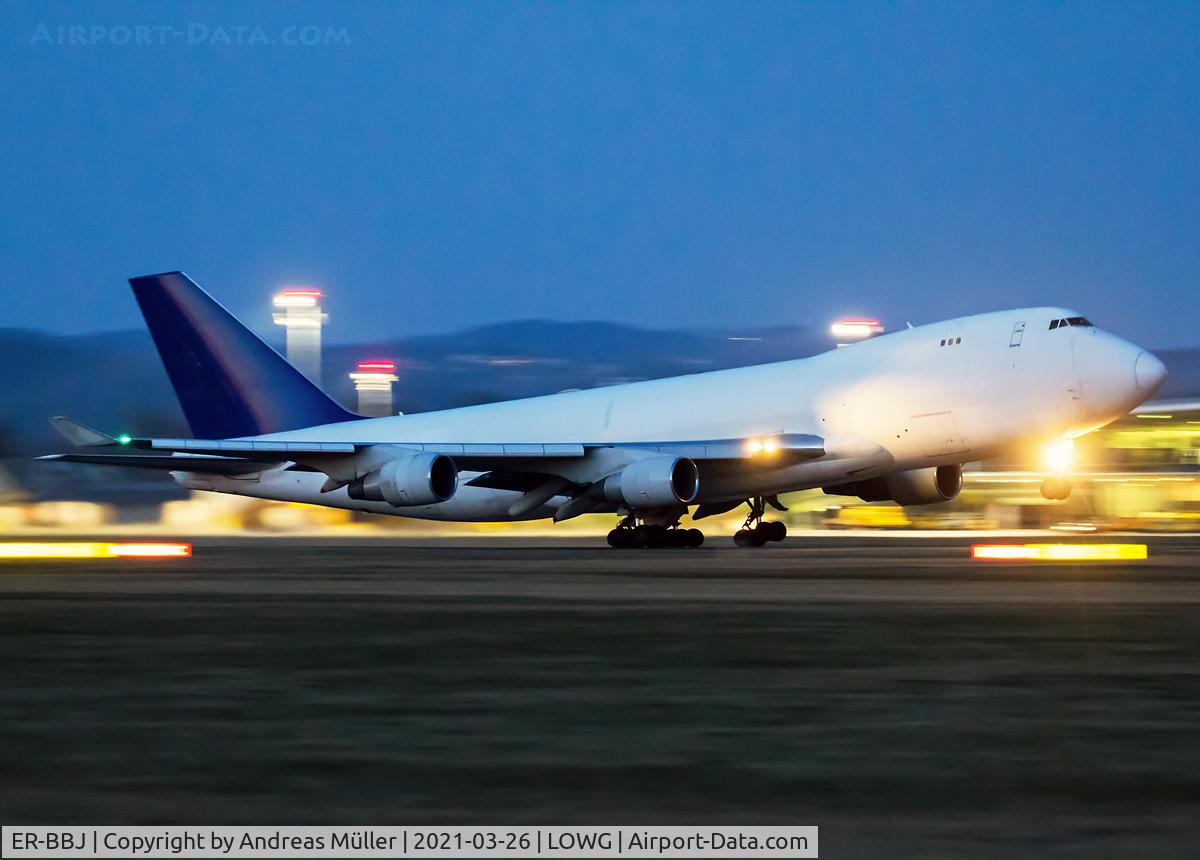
pixel 914 487
pixel 655 482
pixel 408 480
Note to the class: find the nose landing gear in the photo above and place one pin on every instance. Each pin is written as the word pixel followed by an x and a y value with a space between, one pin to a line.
pixel 1058 456
pixel 754 532
pixel 1056 488
pixel 632 534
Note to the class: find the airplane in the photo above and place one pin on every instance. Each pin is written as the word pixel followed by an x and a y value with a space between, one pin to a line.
pixel 893 417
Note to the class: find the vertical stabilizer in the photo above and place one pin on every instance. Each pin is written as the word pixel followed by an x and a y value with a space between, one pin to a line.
pixel 228 381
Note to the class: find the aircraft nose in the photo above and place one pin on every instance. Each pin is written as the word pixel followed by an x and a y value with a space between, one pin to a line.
pixel 1149 373
pixel 1116 374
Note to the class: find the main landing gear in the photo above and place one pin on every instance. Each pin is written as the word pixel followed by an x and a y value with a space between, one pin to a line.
pixel 630 534
pixel 754 532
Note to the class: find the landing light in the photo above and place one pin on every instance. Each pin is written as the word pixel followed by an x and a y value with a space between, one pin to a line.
pixel 769 445
pixel 1059 455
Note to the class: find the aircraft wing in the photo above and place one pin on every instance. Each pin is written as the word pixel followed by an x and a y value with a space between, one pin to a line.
pixel 170 462
pixel 226 454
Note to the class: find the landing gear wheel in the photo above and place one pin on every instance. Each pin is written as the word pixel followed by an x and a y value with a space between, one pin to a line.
pixel 630 534
pixel 755 532
pixel 651 537
pixel 1056 489
pixel 620 538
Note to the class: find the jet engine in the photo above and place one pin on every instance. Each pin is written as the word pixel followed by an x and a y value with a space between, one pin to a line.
pixel 655 482
pixel 914 487
pixel 405 481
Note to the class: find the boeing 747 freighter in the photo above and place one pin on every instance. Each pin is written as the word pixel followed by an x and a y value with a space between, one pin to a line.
pixel 890 418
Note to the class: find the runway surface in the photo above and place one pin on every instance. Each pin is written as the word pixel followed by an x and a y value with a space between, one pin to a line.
pixel 899 695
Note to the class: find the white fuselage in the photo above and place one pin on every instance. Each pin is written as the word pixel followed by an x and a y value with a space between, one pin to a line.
pixel 938 394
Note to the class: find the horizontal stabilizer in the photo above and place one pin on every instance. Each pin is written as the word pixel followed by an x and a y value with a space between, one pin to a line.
pixel 80 435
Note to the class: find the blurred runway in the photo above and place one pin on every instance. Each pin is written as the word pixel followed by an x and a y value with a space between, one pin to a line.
pixel 890 690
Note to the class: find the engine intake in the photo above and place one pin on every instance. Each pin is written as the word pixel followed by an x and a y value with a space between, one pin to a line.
pixel 654 482
pixel 914 487
pixel 406 481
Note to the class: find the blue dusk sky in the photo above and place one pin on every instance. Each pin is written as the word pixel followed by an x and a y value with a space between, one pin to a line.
pixel 729 165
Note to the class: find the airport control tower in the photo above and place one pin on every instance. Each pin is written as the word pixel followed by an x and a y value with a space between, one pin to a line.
pixel 848 331
pixel 373 382
pixel 299 312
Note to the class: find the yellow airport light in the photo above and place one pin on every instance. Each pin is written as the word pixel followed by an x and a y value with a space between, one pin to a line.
pixel 93 550
pixel 1059 552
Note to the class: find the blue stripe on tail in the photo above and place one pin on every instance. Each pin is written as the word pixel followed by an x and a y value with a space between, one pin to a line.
pixel 228 381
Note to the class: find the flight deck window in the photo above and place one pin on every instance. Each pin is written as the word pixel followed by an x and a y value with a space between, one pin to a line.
pixel 1077 321
pixel 1053 325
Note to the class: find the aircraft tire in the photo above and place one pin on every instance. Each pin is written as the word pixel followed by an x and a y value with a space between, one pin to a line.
pixel 650 537
pixel 620 538
pixel 1056 489
pixel 695 538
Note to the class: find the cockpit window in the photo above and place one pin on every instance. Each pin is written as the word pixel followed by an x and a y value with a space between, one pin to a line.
pixel 1068 321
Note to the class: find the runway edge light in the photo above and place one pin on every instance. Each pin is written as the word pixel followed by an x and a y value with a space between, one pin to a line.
pixel 1059 552
pixel 92 550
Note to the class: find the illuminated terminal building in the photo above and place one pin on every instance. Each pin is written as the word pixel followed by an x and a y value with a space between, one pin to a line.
pixel 299 312
pixel 373 382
